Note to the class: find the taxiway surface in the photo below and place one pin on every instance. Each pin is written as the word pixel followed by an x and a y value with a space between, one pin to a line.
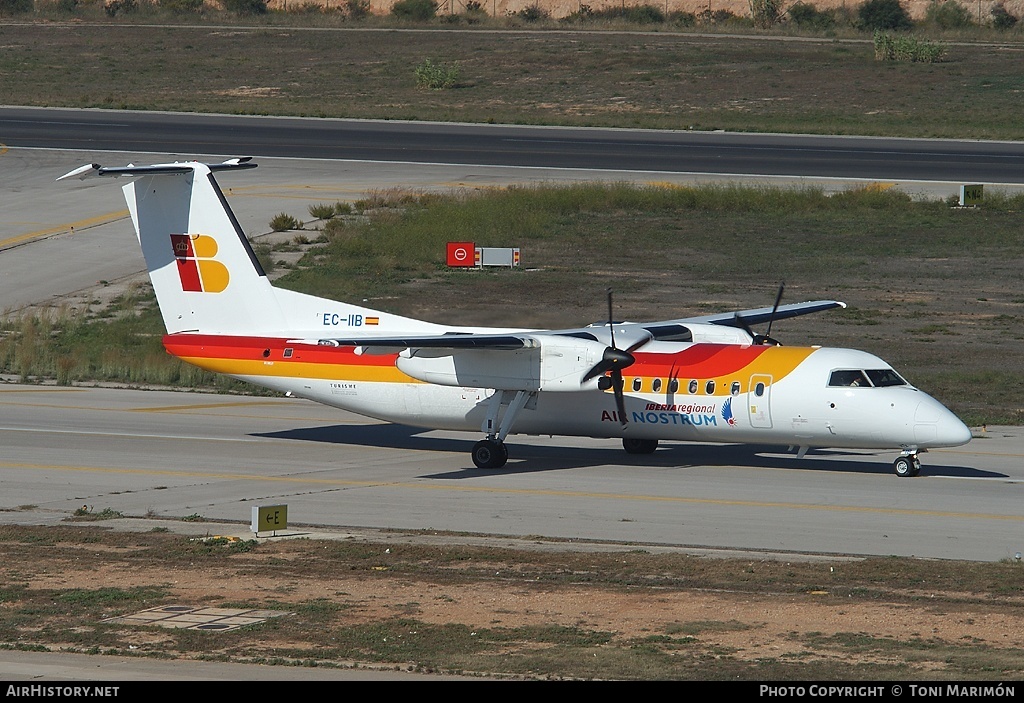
pixel 173 455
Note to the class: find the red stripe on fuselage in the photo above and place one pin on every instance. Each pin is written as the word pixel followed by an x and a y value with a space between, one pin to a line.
pixel 699 361
pixel 267 348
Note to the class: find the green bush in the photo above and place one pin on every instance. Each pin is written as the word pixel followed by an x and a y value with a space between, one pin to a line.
pixel 717 17
pixel 1001 17
pixel 321 211
pixel 182 7
pixel 805 15
pixel 765 13
pixel 948 15
pixel 15 7
pixel 436 76
pixel 682 19
pixel 246 7
pixel 533 13
pixel 474 12
pixel 874 15
pixel 904 48
pixel 582 14
pixel 116 7
pixel 283 222
pixel 357 9
pixel 417 10
pixel 644 14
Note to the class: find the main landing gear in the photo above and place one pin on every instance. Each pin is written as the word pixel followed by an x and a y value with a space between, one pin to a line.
pixel 491 453
pixel 632 445
pixel 907 466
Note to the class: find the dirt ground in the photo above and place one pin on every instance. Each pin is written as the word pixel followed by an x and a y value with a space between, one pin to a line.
pixel 770 619
pixel 925 627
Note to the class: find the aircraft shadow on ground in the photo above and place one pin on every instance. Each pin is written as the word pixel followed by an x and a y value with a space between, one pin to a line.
pixel 529 458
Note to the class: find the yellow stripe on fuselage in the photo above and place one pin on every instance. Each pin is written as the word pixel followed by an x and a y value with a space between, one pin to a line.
pixel 300 369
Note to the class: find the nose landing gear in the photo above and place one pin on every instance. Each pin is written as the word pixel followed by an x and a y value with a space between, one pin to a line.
pixel 907 466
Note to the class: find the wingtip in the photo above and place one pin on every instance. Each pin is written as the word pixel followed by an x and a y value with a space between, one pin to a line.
pixel 81 173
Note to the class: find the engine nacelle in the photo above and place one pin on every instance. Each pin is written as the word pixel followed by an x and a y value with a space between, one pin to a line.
pixel 703 333
pixel 556 363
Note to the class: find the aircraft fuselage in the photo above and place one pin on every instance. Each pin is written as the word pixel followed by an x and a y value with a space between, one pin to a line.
pixel 674 391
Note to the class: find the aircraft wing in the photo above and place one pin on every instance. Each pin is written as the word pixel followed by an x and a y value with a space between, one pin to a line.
pixel 756 316
pixel 629 333
pixel 434 341
pixel 89 170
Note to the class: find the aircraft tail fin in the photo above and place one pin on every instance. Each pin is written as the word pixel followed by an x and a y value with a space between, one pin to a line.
pixel 205 274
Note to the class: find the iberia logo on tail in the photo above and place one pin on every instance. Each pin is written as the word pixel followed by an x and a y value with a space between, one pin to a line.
pixel 199 271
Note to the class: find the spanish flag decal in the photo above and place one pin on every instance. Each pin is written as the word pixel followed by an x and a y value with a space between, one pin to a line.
pixel 373 320
pixel 198 270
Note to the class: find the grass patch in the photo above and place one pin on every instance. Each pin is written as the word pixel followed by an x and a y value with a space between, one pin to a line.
pixel 106 597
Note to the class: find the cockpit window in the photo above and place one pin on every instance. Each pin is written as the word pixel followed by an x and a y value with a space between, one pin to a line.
pixel 851 377
pixel 885 377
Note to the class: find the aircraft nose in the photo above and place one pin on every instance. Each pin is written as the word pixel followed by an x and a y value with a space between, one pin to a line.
pixel 936 426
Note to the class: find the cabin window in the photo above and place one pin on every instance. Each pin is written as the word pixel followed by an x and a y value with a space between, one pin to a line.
pixel 885 377
pixel 735 388
pixel 709 387
pixel 637 384
pixel 693 387
pixel 673 385
pixel 759 390
pixel 288 352
pixel 656 386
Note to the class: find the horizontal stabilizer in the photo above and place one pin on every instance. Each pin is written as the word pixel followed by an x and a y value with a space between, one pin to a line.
pixel 89 170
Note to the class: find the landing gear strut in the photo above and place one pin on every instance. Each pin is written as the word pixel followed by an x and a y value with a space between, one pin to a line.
pixel 907 466
pixel 491 453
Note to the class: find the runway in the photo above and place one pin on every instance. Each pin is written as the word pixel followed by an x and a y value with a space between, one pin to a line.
pixel 173 455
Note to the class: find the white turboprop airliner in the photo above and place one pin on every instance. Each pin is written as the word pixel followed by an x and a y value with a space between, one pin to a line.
pixel 698 379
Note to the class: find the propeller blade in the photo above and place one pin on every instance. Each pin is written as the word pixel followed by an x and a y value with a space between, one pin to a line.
pixel 614 360
pixel 611 326
pixel 775 309
pixel 620 401
pixel 765 338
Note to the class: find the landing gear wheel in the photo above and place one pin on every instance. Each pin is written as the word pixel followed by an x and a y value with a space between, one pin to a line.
pixel 490 454
pixel 639 446
pixel 907 466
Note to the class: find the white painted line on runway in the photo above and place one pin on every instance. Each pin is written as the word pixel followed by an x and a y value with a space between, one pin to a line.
pixel 133 435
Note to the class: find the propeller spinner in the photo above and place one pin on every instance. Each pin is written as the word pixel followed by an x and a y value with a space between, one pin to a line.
pixel 613 361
